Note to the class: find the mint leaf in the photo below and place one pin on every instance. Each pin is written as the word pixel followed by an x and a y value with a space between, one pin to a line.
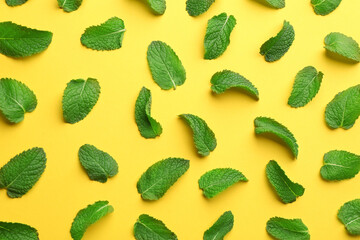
pixel 221 227
pixel 287 190
pixel 107 36
pixel 16 99
pixel 343 45
pixel 79 98
pixel 226 79
pixel 218 180
pixel 148 126
pixel 276 47
pixel 340 165
pixel 268 125
pixel 13 3
pixel 204 137
pixel 344 109
pixel 306 86
pixel 69 5
pixel 88 216
pixel 21 173
pixel 324 7
pixel 197 7
pixel 349 215
pixel 17 231
pixel 217 37
pixel 276 3
pixel 287 229
pixel 165 66
pixel 158 178
pixel 99 165
pixel 149 228
pixel 158 7
pixel 18 41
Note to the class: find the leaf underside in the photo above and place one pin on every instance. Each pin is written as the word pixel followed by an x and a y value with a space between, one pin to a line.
pixel 343 45
pixel 287 229
pixel 149 228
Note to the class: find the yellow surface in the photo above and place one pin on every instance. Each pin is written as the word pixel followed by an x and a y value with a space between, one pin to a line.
pixel 65 188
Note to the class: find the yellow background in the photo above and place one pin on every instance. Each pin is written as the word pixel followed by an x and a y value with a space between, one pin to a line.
pixel 64 188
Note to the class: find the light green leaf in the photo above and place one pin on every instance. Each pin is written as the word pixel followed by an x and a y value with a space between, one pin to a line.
pixel 217 37
pixel 276 3
pixel 218 180
pixel 324 7
pixel 221 227
pixel 79 98
pixel 17 231
pixel 158 7
pixel 204 137
pixel 287 229
pixel 226 79
pixel 21 173
pixel 18 41
pixel 165 66
pixel 158 178
pixel 306 86
pixel 69 5
pixel 342 45
pixel 148 126
pixel 197 7
pixel 16 99
pixel 287 190
pixel 13 3
pixel 344 109
pixel 88 216
pixel 276 47
pixel 107 36
pixel 349 215
pixel 149 228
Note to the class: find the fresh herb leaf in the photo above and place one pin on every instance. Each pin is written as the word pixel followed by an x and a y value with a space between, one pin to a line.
pixel 88 216
pixel 197 7
pixel 221 227
pixel 17 231
pixel 158 7
pixel 204 137
pixel 149 228
pixel 16 99
pixel 69 5
pixel 79 98
pixel 343 45
pixel 306 86
pixel 158 178
pixel 324 7
pixel 349 215
pixel 13 3
pixel 217 37
pixel 344 109
pixel 165 66
pixel 276 47
pixel 287 229
pixel 21 173
pixel 18 41
pixel 276 3
pixel 218 180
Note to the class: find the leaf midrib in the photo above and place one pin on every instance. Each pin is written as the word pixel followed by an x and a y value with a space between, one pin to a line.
pixel 150 229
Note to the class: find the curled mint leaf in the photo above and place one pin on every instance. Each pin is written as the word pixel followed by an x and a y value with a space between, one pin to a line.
pixel 198 7
pixel 221 227
pixel 349 215
pixel 69 5
pixel 287 229
pixel 149 228
pixel 324 7
pixel 13 3
pixel 158 7
pixel 343 45
pixel 17 231
pixel 276 3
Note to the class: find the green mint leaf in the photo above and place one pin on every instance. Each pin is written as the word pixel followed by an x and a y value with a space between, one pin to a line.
pixel 349 215
pixel 221 227
pixel 158 7
pixel 287 190
pixel 148 126
pixel 218 180
pixel 16 99
pixel 268 125
pixel 69 5
pixel 107 36
pixel 13 3
pixel 217 37
pixel 340 165
pixel 88 216
pixel 276 47
pixel 344 109
pixel 197 7
pixel 158 178
pixel 98 165
pixel 17 231
pixel 79 98
pixel 306 86
pixel 21 173
pixel 18 41
pixel 204 137
pixel 165 66
pixel 149 228
pixel 343 45
pixel 226 79
pixel 324 7
pixel 287 229
pixel 276 3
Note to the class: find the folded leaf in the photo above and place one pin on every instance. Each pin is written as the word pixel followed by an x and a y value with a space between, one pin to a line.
pixel 69 5
pixel 13 3
pixel 158 7
pixel 349 215
pixel 149 228
pixel 17 231
pixel 287 229
pixel 276 3
pixel 324 7
pixel 197 7
pixel 221 227
pixel 343 45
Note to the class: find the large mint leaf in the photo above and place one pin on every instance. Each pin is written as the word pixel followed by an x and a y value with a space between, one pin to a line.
pixel 13 3
pixel 69 5
pixel 287 229
pixel 349 215
pixel 149 228
pixel 343 45
pixel 165 66
pixel 276 3
pixel 16 99
pixel 79 98
pixel 158 178
pixel 17 231
pixel 324 7
pixel 217 37
pixel 21 173
pixel 197 7
pixel 221 227
pixel 18 41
